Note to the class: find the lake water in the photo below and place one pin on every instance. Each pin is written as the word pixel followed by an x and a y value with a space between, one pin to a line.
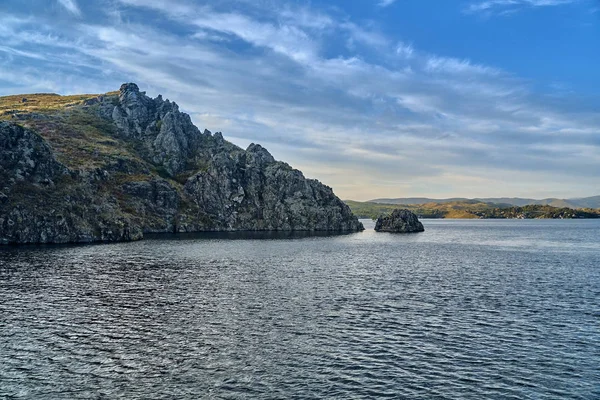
pixel 499 309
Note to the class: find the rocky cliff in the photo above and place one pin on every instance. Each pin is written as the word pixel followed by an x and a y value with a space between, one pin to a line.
pixel 115 166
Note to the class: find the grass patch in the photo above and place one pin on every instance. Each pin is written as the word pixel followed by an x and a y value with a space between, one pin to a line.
pixel 81 140
pixel 39 103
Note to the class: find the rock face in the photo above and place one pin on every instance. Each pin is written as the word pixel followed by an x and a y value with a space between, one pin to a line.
pixel 251 191
pixel 400 221
pixel 168 135
pixel 115 166
pixel 41 201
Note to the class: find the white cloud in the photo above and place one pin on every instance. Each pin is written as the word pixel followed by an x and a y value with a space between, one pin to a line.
pixel 513 5
pixel 385 3
pixel 404 49
pixel 285 39
pixel 71 6
pixel 456 66
pixel 172 8
pixel 306 18
pixel 358 34
pixel 206 35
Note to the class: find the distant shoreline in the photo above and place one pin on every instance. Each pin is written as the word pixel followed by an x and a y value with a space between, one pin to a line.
pixel 472 209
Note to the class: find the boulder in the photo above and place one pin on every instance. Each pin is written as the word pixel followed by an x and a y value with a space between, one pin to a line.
pixel 400 221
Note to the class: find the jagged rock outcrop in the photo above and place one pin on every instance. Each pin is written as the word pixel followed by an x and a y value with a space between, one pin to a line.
pixel 114 166
pixel 399 221
pixel 251 191
pixel 168 135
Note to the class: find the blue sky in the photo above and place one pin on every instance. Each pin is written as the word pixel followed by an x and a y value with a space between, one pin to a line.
pixel 376 98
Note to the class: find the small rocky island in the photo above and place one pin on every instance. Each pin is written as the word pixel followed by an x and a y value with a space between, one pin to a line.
pixel 112 167
pixel 399 221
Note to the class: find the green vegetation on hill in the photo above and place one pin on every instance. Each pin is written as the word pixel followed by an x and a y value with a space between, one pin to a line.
pixel 471 209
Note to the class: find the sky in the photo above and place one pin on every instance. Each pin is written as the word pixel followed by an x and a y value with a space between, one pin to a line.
pixel 375 98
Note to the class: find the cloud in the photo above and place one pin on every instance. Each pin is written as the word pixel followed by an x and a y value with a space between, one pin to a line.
pixel 507 6
pixel 358 34
pixel 451 65
pixel 404 49
pixel 385 3
pixel 70 6
pixel 285 39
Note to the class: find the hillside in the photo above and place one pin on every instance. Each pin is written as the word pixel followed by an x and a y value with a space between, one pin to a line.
pixel 471 209
pixel 115 166
pixel 586 202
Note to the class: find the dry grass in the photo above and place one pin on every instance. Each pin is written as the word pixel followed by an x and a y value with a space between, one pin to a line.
pixel 80 138
pixel 460 214
pixel 38 103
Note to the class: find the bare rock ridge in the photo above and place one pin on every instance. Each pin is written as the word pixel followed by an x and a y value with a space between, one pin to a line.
pixel 169 135
pixel 115 166
pixel 399 221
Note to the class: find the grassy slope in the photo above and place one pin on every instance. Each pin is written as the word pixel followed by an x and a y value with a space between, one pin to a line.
pixel 38 103
pixel 80 139
pixel 470 210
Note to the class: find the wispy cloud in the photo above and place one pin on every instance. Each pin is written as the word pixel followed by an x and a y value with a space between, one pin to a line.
pixel 452 65
pixel 71 6
pixel 358 34
pixel 285 39
pixel 404 49
pixel 504 6
pixel 385 3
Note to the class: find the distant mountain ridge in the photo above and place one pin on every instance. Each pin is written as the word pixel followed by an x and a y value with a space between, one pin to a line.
pixel 585 202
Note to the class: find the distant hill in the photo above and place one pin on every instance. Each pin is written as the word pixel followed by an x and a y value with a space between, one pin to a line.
pixel 586 202
pixel 471 209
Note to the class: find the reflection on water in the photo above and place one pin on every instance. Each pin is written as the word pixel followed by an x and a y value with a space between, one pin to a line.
pixel 244 235
pixel 467 309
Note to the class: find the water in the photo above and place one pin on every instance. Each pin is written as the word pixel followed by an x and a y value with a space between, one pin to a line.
pixel 468 309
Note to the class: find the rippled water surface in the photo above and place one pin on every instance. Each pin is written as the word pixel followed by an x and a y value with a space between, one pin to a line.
pixel 467 309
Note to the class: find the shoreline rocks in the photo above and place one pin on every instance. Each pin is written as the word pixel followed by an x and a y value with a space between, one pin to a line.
pixel 399 221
